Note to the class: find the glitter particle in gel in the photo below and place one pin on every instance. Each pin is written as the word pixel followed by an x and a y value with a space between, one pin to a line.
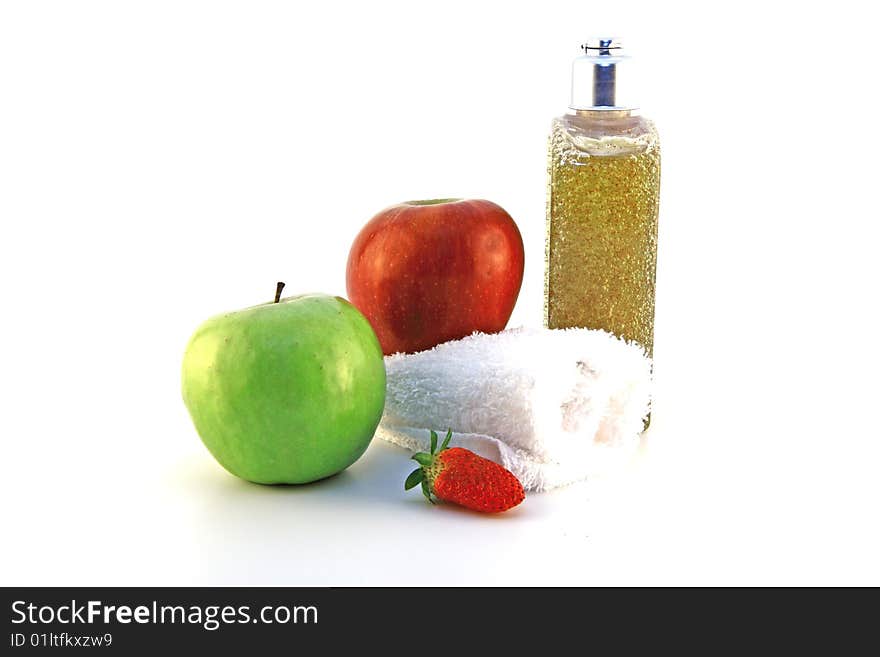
pixel 601 250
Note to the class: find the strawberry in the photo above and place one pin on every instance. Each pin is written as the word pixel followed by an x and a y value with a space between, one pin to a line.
pixel 457 475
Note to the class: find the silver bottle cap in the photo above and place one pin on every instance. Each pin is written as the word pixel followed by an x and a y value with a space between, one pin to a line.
pixel 601 78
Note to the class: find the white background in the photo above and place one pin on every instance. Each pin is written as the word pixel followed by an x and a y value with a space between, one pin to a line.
pixel 164 161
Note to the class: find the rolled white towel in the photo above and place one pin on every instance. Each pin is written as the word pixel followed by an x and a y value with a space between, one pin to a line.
pixel 552 406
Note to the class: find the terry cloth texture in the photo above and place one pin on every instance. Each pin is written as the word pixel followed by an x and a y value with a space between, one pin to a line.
pixel 552 406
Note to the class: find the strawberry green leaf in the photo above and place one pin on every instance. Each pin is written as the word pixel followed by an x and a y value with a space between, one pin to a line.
pixel 423 459
pixel 415 477
pixel 426 491
pixel 433 441
pixel 446 440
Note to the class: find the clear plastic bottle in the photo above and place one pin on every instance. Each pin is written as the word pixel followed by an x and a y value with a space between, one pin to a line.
pixel 602 204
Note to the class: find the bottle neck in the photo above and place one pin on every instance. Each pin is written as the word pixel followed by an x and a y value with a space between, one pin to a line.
pixel 609 114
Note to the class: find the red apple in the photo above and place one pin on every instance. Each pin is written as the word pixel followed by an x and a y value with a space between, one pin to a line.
pixel 425 272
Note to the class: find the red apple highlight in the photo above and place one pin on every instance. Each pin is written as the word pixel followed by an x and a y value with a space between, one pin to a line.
pixel 424 272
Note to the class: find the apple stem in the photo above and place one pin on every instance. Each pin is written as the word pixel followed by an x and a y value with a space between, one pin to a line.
pixel 278 287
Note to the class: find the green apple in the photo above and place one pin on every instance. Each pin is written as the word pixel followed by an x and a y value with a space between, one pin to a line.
pixel 286 392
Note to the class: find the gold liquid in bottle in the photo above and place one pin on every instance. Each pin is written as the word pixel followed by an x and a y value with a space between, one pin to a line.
pixel 602 208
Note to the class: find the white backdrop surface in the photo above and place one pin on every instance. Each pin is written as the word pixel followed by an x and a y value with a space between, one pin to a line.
pixel 164 161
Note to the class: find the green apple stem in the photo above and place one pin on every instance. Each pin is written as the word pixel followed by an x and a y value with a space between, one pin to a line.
pixel 278 287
